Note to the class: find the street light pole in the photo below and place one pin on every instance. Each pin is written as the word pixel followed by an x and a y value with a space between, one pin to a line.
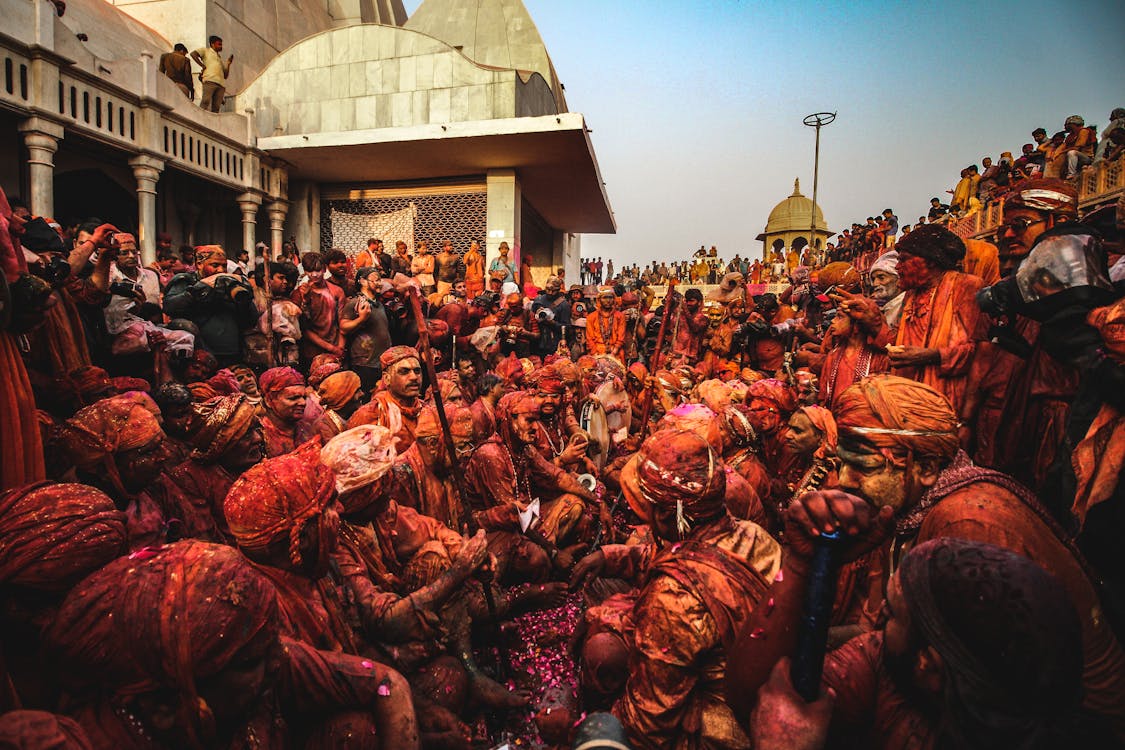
pixel 818 120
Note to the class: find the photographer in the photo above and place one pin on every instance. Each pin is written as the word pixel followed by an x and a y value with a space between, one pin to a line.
pixel 766 333
pixel 221 304
pixel 552 309
pixel 1020 394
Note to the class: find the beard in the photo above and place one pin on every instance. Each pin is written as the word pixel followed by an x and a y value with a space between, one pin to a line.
pixel 913 273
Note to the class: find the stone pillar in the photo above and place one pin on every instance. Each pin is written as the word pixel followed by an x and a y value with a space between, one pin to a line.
pixel 503 214
pixel 42 140
pixel 278 211
pixel 249 203
pixel 146 169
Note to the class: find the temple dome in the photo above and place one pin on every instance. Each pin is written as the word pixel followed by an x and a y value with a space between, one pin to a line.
pixel 794 214
pixel 496 33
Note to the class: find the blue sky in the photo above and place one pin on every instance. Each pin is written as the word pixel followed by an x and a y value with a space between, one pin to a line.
pixel 696 106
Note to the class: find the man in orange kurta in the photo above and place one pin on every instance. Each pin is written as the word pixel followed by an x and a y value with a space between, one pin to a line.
pixel 898 446
pixel 605 327
pixel 694 592
pixel 397 404
pixel 941 322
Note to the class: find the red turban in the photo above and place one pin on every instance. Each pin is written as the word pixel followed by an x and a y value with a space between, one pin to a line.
pixel 676 469
pixel 89 382
pixel 110 426
pixel 201 392
pixel 338 389
pixel 275 499
pixel 396 354
pixel 549 381
pixel 776 391
pixel 510 370
pixel 509 405
pixel 890 412
pixel 275 380
pixel 41 730
pixel 224 382
pixel 323 359
pixel 53 535
pixel 218 423
pixel 126 384
pixel 165 618
pixel 320 373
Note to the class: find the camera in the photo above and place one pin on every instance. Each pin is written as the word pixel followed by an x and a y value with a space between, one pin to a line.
pixel 55 271
pixel 123 288
pixel 1000 300
pixel 580 308
pixel 545 313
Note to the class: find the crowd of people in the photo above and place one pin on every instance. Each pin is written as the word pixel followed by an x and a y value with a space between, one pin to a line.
pixel 400 500
pixel 1062 156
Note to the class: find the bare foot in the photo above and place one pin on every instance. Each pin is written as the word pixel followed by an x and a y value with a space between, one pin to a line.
pixel 491 694
pixel 534 596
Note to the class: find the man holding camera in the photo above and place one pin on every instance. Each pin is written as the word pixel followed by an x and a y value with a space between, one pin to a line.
pixel 221 304
pixel 552 309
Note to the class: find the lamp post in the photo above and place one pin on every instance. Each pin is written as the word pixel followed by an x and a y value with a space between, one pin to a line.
pixel 818 120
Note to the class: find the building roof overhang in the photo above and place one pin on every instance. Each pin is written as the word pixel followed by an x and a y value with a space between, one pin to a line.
pixel 553 157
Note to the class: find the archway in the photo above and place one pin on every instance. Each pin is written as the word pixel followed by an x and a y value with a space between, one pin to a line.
pixel 88 193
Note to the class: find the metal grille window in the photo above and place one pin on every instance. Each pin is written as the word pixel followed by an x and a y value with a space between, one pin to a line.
pixel 459 217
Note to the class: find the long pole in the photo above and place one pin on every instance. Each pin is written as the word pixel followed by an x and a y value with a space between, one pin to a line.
pixel 818 120
pixel 646 410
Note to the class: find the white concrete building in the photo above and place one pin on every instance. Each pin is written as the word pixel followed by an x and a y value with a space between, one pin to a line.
pixel 343 120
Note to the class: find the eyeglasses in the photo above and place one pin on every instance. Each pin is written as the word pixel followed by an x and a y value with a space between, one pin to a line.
pixel 1020 224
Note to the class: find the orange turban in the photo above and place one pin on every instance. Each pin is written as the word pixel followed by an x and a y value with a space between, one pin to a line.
pixel 204 253
pixel 892 412
pixel 275 499
pixel 203 391
pixel 218 423
pixel 839 273
pixel 823 421
pixel 338 389
pixel 53 535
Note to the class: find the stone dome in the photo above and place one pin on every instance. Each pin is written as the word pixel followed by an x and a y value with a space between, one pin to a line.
pixel 794 214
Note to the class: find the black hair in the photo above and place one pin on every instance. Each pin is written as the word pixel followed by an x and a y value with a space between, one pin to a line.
pixel 212 39
pixel 180 47
pixel 488 381
pixel 287 268
pixel 334 255
pixel 693 293
pixel 312 261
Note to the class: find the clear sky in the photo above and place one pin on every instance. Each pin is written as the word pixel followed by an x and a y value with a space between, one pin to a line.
pixel 696 105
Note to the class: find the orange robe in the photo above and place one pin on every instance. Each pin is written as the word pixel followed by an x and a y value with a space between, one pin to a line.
pixel 21 458
pixel 696 595
pixel 605 336
pixel 474 273
pixel 943 317
pixel 384 409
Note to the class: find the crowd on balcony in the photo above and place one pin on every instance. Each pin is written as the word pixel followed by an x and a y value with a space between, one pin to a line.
pixel 392 497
